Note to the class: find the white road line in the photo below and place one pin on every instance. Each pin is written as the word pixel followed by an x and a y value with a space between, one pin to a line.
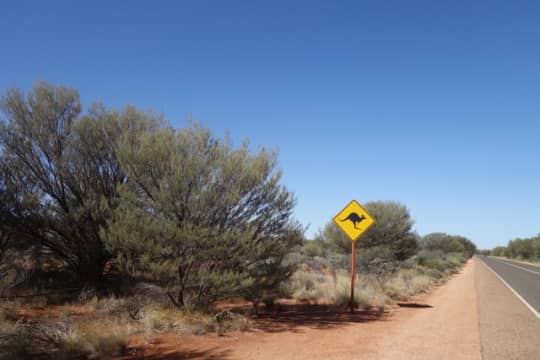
pixel 533 310
pixel 518 267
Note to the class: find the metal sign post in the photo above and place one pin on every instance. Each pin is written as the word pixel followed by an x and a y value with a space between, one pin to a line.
pixel 353 267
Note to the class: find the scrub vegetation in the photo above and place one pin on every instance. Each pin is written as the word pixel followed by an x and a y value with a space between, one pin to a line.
pixel 521 249
pixel 115 224
pixel 394 262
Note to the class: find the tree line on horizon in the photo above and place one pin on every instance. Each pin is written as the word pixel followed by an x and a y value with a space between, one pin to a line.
pixel 522 249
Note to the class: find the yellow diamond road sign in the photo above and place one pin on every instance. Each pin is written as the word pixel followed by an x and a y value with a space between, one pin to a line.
pixel 353 220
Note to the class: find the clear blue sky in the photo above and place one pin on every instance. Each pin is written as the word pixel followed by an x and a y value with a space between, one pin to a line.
pixel 434 104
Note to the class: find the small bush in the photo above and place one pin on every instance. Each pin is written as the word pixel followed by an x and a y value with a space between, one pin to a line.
pixel 104 334
pixel 455 261
pixel 434 274
pixel 110 305
pixel 90 345
pixel 317 287
pixel 158 319
pixel 309 286
pixel 8 313
pixel 367 294
pixel 59 339
pixel 372 297
pixel 407 283
pixel 432 263
pixel 314 248
pixel 342 297
pixel 230 321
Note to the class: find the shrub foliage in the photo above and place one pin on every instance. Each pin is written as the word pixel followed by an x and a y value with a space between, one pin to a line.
pixel 178 207
pixel 526 249
pixel 63 171
pixel 201 218
pixel 385 245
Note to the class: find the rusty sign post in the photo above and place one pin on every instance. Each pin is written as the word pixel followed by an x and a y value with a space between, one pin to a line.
pixel 353 220
pixel 353 267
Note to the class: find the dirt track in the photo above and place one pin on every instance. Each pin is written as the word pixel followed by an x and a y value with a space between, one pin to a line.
pixel 441 325
pixel 448 330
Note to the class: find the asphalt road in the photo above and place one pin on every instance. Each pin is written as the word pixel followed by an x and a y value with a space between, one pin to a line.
pixel 509 328
pixel 523 278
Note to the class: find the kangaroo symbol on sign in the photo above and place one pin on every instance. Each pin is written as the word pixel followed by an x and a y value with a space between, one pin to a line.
pixel 354 218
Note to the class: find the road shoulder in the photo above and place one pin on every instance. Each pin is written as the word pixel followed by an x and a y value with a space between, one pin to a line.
pixel 447 330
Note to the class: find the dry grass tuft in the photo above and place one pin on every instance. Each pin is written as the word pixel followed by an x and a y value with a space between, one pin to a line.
pixel 318 287
pixel 315 286
pixel 406 283
pixel 102 331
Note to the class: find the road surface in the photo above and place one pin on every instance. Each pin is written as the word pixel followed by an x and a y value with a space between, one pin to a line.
pixel 508 301
pixel 523 278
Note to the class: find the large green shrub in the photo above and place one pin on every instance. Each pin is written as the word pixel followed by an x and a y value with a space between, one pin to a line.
pixel 201 218
pixel 63 171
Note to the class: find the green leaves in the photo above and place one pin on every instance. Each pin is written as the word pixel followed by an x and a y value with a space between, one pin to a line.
pixel 520 248
pixel 65 170
pixel 448 244
pixel 200 217
pixel 178 207
pixel 391 234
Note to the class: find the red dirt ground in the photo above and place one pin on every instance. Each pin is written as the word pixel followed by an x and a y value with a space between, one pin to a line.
pixel 440 325
pixel 53 312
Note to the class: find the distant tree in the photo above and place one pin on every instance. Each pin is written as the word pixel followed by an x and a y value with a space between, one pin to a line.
pixel 200 218
pixel 448 243
pixel 393 228
pixel 536 246
pixel 66 168
pixel 499 251
pixel 485 252
pixel 523 248
pixel 334 238
pixel 314 248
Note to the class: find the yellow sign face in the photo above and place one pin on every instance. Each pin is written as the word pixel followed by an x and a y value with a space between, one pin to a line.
pixel 353 220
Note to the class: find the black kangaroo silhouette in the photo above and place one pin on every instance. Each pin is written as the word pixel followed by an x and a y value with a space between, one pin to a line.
pixel 354 218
